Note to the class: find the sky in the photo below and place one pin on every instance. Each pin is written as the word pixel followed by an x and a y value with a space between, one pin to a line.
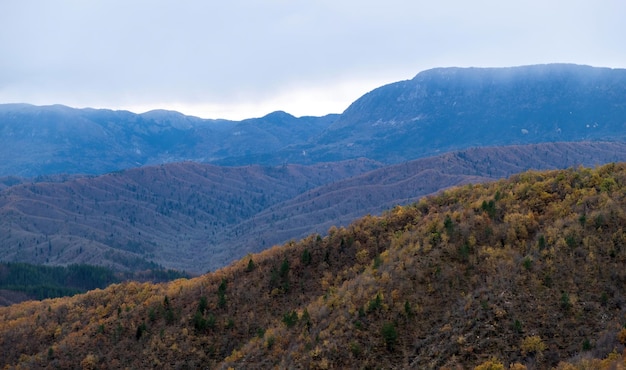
pixel 240 59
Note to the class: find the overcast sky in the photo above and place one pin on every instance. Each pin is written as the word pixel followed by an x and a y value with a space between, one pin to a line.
pixel 240 59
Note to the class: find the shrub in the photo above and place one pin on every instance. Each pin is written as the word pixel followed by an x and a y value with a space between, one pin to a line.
pixel 375 304
pixel 528 262
pixel 355 348
pixel 221 294
pixel 306 318
pixel 202 305
pixel 140 330
pixel 408 311
pixel 448 225
pixel 541 242
pixel 532 345
pixel 199 322
pixel 284 269
pixel 377 262
pixel 210 321
pixel 464 252
pixel 492 364
pixel 587 345
pixel 270 341
pixel 582 219
pixel 489 208
pixel 604 299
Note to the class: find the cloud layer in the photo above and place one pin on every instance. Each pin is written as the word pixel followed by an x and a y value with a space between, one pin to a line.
pixel 244 58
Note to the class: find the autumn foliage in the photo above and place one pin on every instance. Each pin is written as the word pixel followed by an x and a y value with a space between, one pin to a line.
pixel 527 272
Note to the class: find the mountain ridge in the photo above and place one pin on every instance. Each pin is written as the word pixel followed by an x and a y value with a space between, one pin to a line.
pixel 438 110
pixel 122 218
pixel 45 140
pixel 456 108
pixel 199 217
pixel 526 272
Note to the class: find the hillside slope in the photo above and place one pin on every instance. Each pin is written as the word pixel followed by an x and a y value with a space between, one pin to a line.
pixel 341 202
pixel 167 214
pixel 197 217
pixel 527 271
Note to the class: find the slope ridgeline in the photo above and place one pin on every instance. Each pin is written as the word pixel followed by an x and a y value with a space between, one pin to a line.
pixel 199 217
pixel 528 271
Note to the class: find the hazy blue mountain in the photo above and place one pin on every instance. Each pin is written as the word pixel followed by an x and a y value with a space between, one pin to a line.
pixel 42 140
pixel 456 108
pixel 439 110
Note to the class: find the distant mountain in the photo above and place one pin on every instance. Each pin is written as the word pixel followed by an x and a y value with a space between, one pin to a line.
pixel 199 217
pixel 57 139
pixel 439 110
pixel 524 273
pixel 448 109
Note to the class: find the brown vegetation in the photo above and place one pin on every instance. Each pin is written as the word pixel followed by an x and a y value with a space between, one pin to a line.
pixel 520 273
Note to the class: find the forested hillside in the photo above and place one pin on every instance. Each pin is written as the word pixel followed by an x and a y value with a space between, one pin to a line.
pixel 21 281
pixel 149 217
pixel 528 272
pixel 341 202
pixel 198 217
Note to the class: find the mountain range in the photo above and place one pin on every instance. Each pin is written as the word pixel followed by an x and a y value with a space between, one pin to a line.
pixel 447 109
pixel 437 111
pixel 45 140
pixel 200 217
pixel 411 231
pixel 134 191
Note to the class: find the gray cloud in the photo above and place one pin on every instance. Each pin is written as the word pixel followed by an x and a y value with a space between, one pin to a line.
pixel 259 53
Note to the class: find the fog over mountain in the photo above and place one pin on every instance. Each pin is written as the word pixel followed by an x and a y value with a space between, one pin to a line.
pixel 437 111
